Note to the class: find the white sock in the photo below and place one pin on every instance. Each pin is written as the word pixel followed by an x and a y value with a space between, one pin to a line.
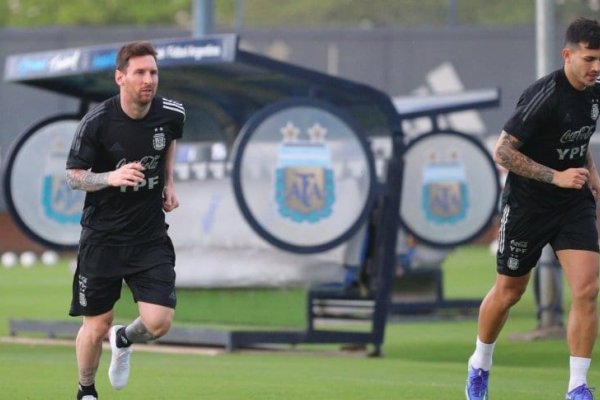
pixel 579 367
pixel 482 357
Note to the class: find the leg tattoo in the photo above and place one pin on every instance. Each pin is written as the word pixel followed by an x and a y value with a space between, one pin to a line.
pixel 137 332
pixel 87 375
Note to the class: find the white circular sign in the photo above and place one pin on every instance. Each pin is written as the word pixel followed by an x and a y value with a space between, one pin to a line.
pixel 303 175
pixel 450 189
pixel 37 194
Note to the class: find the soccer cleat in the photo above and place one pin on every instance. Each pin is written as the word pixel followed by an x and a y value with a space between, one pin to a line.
pixel 582 392
pixel 91 393
pixel 118 372
pixel 477 384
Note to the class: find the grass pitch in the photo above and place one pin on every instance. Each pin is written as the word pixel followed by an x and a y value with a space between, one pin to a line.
pixel 423 359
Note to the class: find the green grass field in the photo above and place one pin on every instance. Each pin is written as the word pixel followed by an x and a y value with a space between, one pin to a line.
pixel 423 359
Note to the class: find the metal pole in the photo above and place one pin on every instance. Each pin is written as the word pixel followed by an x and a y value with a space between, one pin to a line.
pixel 544 39
pixel 544 36
pixel 239 14
pixel 452 12
pixel 203 11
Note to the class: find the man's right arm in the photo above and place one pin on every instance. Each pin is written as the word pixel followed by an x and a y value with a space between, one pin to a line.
pixel 127 175
pixel 507 155
pixel 81 179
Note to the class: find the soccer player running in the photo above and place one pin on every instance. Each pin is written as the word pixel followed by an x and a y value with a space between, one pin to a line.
pixel 550 197
pixel 122 155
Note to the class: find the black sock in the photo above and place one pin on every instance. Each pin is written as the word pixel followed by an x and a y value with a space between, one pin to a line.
pixel 86 391
pixel 122 339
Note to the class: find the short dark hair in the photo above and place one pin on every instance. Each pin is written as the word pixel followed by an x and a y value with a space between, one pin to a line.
pixel 133 49
pixel 583 30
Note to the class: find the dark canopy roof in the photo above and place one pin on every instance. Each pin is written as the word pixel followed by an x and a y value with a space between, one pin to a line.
pixel 222 85
pixel 215 80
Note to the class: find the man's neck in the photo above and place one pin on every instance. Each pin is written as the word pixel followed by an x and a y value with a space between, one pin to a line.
pixel 573 81
pixel 134 111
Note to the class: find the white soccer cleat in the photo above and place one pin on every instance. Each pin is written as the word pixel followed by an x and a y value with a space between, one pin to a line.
pixel 118 372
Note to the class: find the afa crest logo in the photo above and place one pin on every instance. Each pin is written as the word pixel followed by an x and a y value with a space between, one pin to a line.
pixel 159 140
pixel 60 203
pixel 304 183
pixel 445 192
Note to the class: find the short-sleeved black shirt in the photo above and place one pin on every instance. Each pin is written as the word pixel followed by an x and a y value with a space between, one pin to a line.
pixel 107 138
pixel 554 121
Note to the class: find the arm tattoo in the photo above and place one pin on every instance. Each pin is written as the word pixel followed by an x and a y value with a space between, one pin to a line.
pixel 137 332
pixel 509 156
pixel 86 180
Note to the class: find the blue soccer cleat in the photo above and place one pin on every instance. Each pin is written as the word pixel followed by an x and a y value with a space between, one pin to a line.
pixel 582 392
pixel 477 384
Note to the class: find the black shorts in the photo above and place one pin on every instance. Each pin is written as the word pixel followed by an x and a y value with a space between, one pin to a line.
pixel 525 231
pixel 148 269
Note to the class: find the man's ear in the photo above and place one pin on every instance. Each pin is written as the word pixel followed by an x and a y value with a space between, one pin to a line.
pixel 118 77
pixel 566 53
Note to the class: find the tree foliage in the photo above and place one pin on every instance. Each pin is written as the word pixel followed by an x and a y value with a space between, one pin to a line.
pixel 286 14
pixel 28 13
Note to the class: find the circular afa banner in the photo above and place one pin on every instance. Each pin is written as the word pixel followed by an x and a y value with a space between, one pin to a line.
pixel 450 189
pixel 303 175
pixel 35 186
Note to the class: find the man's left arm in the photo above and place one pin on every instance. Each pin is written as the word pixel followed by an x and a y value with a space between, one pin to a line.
pixel 170 201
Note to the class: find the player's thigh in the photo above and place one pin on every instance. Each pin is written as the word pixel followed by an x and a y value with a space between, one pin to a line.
pixel 97 281
pixel 522 235
pixel 577 230
pixel 581 270
pixel 155 282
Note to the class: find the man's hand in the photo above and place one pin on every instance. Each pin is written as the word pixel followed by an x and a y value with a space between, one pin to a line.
pixel 572 178
pixel 127 175
pixel 170 201
pixel 594 184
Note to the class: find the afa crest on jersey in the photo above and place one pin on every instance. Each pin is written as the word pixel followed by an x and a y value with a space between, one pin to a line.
pixel 304 184
pixel 445 192
pixel 513 263
pixel 158 139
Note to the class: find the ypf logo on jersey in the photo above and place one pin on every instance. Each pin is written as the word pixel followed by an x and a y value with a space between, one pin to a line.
pixel 445 193
pixel 158 139
pixel 595 111
pixel 304 185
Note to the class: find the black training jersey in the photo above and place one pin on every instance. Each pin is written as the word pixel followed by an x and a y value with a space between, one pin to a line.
pixel 554 121
pixel 106 139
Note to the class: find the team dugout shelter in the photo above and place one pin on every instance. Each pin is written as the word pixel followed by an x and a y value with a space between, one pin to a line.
pixel 293 153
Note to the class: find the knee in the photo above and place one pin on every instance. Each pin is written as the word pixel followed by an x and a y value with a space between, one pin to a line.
pixel 513 298
pixel 587 293
pixel 161 329
pixel 158 327
pixel 96 328
pixel 156 319
pixel 509 296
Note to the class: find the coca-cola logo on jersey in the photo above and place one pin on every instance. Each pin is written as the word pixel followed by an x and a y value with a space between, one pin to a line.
pixel 148 162
pixel 583 134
